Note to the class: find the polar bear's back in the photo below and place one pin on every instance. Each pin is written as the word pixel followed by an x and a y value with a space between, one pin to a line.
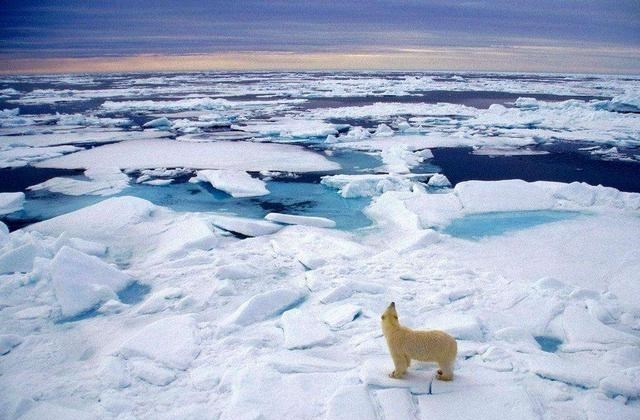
pixel 430 346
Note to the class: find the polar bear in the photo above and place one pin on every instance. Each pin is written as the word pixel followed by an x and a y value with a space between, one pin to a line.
pixel 426 346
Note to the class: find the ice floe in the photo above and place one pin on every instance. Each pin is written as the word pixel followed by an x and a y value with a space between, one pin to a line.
pixel 243 156
pixel 99 181
pixel 11 202
pixel 234 182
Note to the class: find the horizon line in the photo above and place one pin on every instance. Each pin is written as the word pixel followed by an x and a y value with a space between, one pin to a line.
pixel 515 59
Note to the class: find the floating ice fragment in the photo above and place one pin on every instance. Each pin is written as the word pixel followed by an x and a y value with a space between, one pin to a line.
pixel 102 181
pixel 439 181
pixel 11 202
pixel 160 123
pixel 291 219
pixel 234 182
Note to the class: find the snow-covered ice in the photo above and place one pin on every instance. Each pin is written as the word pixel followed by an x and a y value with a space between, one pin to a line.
pixel 243 156
pixel 100 181
pixel 81 281
pixel 10 202
pixel 233 182
pixel 291 219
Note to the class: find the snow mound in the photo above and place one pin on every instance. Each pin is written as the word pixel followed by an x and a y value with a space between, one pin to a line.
pixel 11 202
pixel 439 181
pixel 302 330
pixel 20 259
pixel 81 282
pixel 240 155
pixel 265 305
pixel 233 182
pixel 171 341
pixel 245 226
pixel 8 342
pixel 342 315
pixel 290 219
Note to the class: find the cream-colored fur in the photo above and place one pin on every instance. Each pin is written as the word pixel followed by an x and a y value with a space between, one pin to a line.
pixel 426 346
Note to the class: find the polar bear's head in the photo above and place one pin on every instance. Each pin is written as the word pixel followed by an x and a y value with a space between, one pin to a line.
pixel 390 316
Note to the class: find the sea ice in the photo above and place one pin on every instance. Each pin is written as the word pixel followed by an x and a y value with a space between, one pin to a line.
pixel 15 157
pixel 8 342
pixel 509 195
pixel 439 181
pixel 11 202
pixel 245 226
pixel 265 305
pixel 81 282
pixel 237 183
pixel 302 330
pixel 353 186
pixel 625 103
pixel 341 315
pixel 100 181
pixel 172 341
pixel 351 402
pixel 290 128
pixel 78 137
pixel 290 219
pixel 245 156
pixel 159 123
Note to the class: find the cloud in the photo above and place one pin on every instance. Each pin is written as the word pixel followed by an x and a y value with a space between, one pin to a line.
pixel 34 30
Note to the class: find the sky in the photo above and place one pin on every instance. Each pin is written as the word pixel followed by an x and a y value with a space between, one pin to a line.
pixel 533 35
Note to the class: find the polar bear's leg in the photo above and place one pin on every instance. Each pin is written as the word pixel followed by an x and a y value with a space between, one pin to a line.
pixel 400 363
pixel 445 373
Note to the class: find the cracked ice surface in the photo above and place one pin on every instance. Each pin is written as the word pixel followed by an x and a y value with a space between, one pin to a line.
pixel 232 326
